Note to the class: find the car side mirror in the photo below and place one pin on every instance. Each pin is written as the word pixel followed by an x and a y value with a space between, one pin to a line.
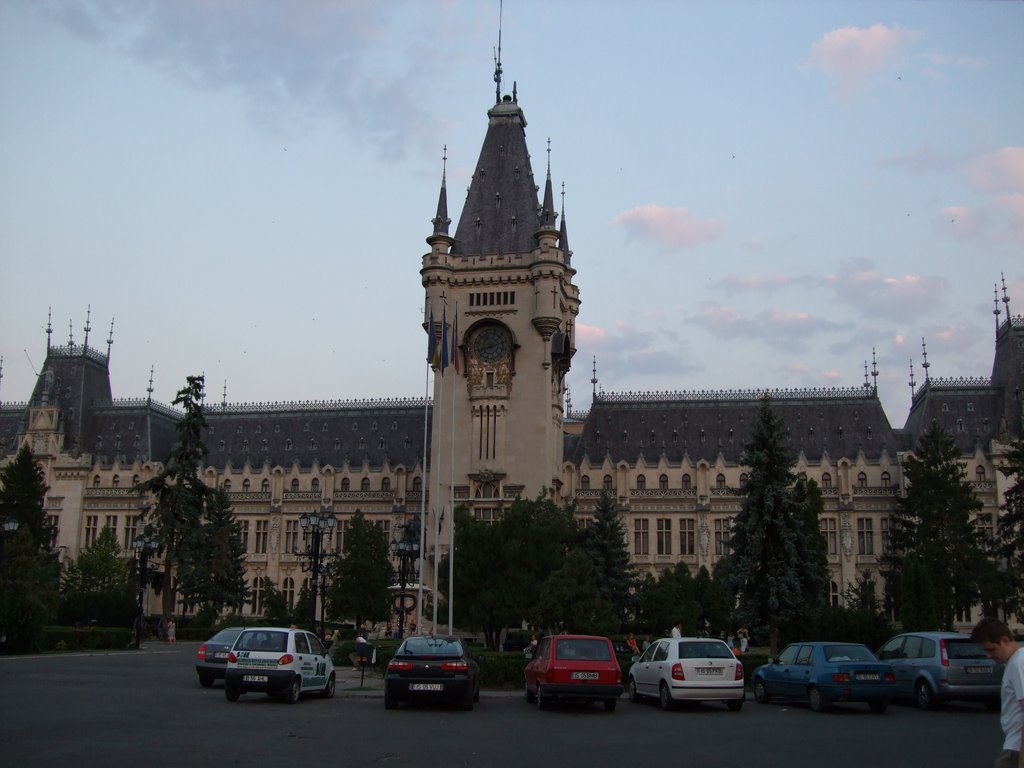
pixel 634 659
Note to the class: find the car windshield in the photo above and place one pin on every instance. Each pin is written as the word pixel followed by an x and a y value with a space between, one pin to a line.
pixel 584 649
pixel 704 649
pixel 431 646
pixel 262 640
pixel 834 653
pixel 225 636
pixel 964 649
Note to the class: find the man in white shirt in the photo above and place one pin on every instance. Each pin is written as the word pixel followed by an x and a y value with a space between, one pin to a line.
pixel 997 641
pixel 677 630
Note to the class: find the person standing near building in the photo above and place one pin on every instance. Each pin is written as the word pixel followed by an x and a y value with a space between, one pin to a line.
pixel 997 642
pixel 677 630
pixel 172 630
pixel 744 637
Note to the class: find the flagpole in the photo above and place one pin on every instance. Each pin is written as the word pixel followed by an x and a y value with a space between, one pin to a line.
pixel 436 471
pixel 451 485
pixel 423 500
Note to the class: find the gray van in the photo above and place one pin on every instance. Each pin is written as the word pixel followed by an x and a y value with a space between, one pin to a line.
pixel 933 667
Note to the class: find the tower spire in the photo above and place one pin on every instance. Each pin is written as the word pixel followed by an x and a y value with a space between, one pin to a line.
pixel 547 211
pixel 563 232
pixel 441 220
pixel 88 327
pixel 1006 299
pixel 926 365
pixel 49 326
pixel 593 379
pixel 995 306
pixel 110 339
pixel 149 389
pixel 874 370
pixel 497 59
pixel 911 382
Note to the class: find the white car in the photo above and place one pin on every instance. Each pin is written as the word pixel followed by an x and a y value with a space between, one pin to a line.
pixel 278 662
pixel 687 669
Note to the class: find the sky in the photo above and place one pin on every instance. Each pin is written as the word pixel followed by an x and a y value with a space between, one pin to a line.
pixel 757 194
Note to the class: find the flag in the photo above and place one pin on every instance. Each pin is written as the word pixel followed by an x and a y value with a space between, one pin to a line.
pixel 455 340
pixel 444 339
pixel 431 339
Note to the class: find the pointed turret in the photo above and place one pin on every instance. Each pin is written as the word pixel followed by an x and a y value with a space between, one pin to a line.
pixel 546 215
pixel 441 221
pixel 563 232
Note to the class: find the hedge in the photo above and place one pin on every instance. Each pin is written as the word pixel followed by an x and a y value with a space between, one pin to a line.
pixel 86 639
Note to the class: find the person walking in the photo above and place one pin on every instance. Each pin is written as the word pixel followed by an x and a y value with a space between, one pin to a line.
pixel 677 630
pixel 997 642
pixel 172 632
pixel 744 637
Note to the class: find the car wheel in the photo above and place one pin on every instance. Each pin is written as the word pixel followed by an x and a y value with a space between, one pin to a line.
pixel 734 705
pixel 761 692
pixel 531 697
pixel 294 691
pixel 634 694
pixel 390 701
pixel 231 693
pixel 542 700
pixel 878 707
pixel 925 696
pixel 818 702
pixel 609 705
pixel 328 691
pixel 205 680
pixel 665 697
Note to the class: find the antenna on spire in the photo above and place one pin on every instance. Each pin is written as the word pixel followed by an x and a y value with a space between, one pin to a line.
pixel 49 326
pixel 444 165
pixel 549 157
pixel 88 327
pixel 926 365
pixel 1006 299
pixel 110 339
pixel 911 382
pixel 874 370
pixel 497 59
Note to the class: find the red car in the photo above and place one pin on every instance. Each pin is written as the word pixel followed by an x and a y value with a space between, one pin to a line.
pixel 574 667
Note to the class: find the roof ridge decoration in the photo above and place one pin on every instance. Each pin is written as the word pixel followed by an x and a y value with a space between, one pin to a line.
pixel 319 405
pixel 125 403
pixel 735 395
pixel 77 350
pixel 951 384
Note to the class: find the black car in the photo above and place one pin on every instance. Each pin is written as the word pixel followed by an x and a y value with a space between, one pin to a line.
pixel 428 668
pixel 212 656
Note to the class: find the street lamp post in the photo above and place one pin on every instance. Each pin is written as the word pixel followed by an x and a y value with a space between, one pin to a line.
pixel 144 546
pixel 407 550
pixel 314 526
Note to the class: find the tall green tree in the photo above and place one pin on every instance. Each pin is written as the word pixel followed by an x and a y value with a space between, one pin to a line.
pixel 571 600
pixel 604 542
pixel 812 549
pixel 180 497
pixel 215 573
pixel 918 608
pixel 363 575
pixel 99 585
pixel 1008 546
pixel 500 567
pixel 28 571
pixel 714 601
pixel 768 545
pixel 671 598
pixel 934 522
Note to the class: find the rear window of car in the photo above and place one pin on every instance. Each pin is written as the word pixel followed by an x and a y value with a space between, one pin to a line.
pixel 704 649
pixel 848 653
pixel 262 640
pixel 582 649
pixel 964 649
pixel 431 646
pixel 225 636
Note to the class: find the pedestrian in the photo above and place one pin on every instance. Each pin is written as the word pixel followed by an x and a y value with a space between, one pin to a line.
pixel 631 642
pixel 677 630
pixel 646 643
pixel 171 630
pixel 731 640
pixel 744 638
pixel 997 642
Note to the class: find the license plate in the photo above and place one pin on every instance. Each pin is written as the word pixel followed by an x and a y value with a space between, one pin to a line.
pixel 585 675
pixel 426 687
pixel 976 670
pixel 867 676
pixel 708 671
pixel 220 655
pixel 255 678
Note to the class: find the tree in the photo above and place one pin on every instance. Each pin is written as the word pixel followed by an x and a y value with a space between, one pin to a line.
pixel 180 497
pixel 23 495
pixel 98 586
pixel 714 601
pixel 571 600
pixel 604 542
pixel 670 599
pixel 361 587
pixel 918 610
pixel 934 522
pixel 1008 546
pixel 500 567
pixel 215 573
pixel 768 544
pixel 275 607
pixel 811 547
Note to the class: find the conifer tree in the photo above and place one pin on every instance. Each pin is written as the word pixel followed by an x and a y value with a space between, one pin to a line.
pixel 1008 547
pixel 604 542
pixel 214 575
pixel 360 589
pixel 23 495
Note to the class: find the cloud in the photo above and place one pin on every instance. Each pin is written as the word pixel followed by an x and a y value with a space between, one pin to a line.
pixel 998 172
pixel 590 335
pixel 962 223
pixel 860 285
pixel 291 61
pixel 754 282
pixel 853 55
pixel 959 61
pixel 926 159
pixel 780 327
pixel 671 228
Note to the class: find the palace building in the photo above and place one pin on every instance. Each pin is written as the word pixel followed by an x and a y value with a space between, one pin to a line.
pixel 501 301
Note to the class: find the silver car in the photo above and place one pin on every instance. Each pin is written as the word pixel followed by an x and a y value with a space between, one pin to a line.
pixel 675 669
pixel 933 667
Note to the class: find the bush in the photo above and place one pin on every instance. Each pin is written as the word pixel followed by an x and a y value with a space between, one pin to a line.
pixel 86 638
pixel 108 608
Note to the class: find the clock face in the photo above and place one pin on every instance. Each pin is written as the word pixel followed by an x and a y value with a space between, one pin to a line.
pixel 491 345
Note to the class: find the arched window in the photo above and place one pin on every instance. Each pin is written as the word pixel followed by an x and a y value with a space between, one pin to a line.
pixel 833 594
pixel 227 486
pixel 364 485
pixel 979 474
pixel 96 482
pixel 686 482
pixel 385 484
pixel 314 484
pixel 607 483
pixel 720 481
pixel 115 481
pixel 641 482
pixel 417 484
pixel 826 480
pixel 135 479
pixel 257 594
pixel 862 480
pixel 295 484
pixel 886 480
pixel 288 444
pixel 743 478
pixel 246 485
pixel 584 482
pixel 245 445
pixel 663 482
pixel 345 484
pixel 265 485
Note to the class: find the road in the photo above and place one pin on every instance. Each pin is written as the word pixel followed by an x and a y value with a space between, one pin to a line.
pixel 147 709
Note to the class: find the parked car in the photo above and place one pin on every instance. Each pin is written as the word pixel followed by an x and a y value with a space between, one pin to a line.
pixel 687 669
pixel 279 662
pixel 823 673
pixel 212 656
pixel 429 668
pixel 933 667
pixel 579 667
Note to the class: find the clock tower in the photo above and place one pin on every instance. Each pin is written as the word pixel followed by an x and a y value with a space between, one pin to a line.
pixel 503 289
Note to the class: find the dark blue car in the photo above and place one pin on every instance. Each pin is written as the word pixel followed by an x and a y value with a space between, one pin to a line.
pixel 822 673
